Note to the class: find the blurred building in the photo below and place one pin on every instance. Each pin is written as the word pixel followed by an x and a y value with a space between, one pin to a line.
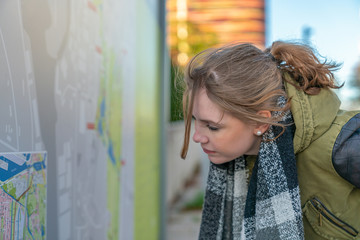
pixel 198 24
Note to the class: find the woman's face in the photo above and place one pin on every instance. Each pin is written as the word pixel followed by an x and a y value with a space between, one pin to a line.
pixel 222 136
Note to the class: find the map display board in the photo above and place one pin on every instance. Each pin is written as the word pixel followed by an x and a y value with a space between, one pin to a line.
pixel 23 195
pixel 80 80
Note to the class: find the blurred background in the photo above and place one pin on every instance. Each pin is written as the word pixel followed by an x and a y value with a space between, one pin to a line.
pixel 97 85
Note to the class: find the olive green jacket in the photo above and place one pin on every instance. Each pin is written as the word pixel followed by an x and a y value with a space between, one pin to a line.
pixel 328 164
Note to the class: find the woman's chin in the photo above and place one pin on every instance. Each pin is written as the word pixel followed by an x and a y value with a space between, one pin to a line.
pixel 218 160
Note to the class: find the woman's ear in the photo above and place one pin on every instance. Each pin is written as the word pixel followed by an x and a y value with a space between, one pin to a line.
pixel 260 128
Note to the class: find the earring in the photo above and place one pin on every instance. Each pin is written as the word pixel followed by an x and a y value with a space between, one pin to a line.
pixel 258 133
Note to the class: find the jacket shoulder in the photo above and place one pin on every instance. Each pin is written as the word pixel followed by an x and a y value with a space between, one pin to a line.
pixel 346 151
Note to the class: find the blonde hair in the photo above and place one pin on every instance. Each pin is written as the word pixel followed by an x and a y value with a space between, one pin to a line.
pixel 243 80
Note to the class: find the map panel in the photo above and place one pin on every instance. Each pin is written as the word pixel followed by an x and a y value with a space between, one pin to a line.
pixel 69 81
pixel 23 195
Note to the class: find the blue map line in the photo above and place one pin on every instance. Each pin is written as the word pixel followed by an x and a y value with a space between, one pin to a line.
pixel 103 133
pixel 111 153
pixel 11 196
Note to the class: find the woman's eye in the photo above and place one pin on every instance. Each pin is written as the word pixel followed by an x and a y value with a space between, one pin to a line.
pixel 212 128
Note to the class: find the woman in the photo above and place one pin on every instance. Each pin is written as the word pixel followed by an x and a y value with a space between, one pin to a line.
pixel 284 158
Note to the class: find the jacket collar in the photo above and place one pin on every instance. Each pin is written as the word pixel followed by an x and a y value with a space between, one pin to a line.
pixel 313 114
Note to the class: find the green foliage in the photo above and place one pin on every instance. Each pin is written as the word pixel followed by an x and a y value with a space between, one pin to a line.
pixel 198 41
pixel 195 203
pixel 177 88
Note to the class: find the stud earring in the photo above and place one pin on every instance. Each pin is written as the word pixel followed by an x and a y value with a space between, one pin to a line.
pixel 258 133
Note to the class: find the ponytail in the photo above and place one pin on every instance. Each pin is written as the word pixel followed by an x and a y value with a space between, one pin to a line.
pixel 301 63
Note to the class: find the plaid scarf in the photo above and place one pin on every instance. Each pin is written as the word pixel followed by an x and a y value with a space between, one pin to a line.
pixel 269 207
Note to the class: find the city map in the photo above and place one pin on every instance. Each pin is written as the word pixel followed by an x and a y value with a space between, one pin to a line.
pixel 23 195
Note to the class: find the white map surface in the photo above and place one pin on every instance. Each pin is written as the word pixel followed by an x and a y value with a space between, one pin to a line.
pixel 61 84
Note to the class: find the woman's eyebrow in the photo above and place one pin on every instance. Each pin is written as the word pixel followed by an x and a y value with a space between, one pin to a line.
pixel 207 121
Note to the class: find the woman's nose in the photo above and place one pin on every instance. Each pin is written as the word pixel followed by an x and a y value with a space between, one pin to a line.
pixel 198 137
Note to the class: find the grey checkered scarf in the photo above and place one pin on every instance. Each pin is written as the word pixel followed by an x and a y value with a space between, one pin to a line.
pixel 268 207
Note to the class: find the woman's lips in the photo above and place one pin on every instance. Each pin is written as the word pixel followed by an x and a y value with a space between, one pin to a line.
pixel 208 151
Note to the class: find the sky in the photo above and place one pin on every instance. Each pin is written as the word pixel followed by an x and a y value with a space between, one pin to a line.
pixel 335 30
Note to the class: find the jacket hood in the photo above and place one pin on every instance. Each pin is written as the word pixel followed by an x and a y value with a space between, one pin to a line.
pixel 313 114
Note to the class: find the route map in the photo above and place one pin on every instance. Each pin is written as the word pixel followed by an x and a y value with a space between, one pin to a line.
pixel 69 79
pixel 23 195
